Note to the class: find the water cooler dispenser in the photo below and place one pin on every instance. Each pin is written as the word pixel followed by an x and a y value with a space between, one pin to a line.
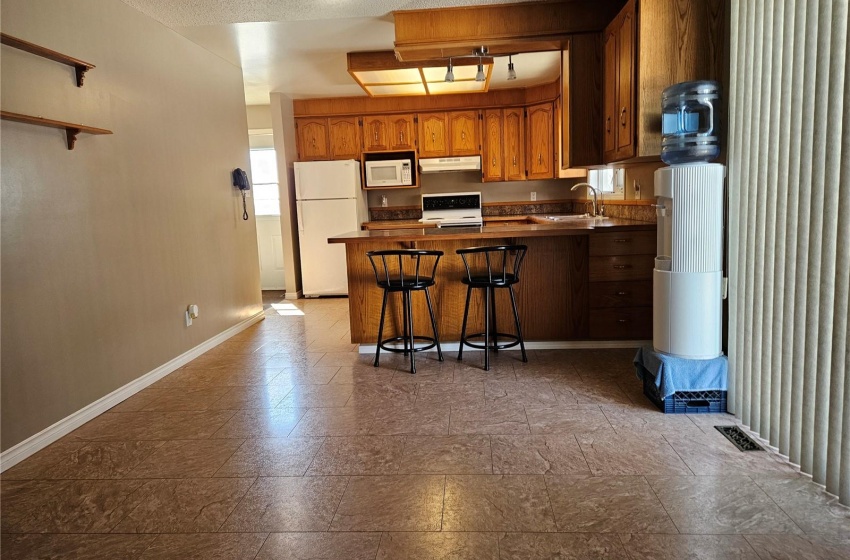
pixel 688 275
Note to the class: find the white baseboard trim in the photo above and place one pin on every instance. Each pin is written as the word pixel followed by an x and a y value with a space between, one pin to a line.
pixel 42 439
pixel 544 345
pixel 294 295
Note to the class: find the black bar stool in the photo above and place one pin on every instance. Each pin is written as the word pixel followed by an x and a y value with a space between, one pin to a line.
pixel 491 268
pixel 402 271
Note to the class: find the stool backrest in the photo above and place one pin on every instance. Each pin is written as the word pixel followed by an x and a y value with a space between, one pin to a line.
pixel 498 263
pixel 404 267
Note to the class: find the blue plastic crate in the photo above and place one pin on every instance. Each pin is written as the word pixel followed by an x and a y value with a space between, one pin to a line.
pixel 683 402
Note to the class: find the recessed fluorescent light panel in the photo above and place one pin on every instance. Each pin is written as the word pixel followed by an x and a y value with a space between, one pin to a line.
pixel 380 75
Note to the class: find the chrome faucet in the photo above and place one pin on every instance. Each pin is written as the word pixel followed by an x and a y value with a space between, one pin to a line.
pixel 590 189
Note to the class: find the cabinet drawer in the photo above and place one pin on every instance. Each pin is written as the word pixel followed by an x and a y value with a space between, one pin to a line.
pixel 623 267
pixel 623 243
pixel 626 323
pixel 620 294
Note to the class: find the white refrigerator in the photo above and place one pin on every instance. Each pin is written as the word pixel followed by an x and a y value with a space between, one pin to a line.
pixel 329 201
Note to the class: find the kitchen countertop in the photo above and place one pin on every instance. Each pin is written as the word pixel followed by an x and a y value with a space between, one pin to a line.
pixel 412 230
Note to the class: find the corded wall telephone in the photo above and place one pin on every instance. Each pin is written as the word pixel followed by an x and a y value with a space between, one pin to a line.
pixel 240 181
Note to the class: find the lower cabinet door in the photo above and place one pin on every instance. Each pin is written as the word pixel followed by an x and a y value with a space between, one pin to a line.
pixel 621 323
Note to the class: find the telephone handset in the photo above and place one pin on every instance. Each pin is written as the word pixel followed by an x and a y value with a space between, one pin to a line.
pixel 240 181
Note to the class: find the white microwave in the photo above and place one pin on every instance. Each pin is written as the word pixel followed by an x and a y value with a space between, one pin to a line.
pixel 389 173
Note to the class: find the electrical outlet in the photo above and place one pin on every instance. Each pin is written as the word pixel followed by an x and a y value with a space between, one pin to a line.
pixel 533 196
pixel 188 319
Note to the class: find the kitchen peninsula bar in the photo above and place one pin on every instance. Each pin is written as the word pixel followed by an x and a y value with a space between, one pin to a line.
pixel 583 279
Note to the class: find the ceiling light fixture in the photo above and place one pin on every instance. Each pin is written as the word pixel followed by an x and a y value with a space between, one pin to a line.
pixel 479 76
pixel 450 75
pixel 511 71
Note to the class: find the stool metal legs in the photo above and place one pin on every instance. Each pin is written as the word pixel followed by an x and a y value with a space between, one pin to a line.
pixel 408 338
pixel 463 328
pixel 434 324
pixel 490 326
pixel 518 327
pixel 381 330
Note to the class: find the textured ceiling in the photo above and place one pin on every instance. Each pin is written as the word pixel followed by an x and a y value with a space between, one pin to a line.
pixel 191 13
pixel 298 47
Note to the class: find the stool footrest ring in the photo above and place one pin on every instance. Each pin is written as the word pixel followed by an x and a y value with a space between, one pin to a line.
pixel 483 346
pixel 400 339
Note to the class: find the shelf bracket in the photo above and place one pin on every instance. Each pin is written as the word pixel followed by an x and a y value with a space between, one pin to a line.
pixel 71 133
pixel 81 70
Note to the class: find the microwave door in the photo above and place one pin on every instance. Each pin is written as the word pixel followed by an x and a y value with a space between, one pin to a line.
pixel 384 174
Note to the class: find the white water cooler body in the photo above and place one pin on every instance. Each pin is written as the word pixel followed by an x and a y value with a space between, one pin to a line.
pixel 688 276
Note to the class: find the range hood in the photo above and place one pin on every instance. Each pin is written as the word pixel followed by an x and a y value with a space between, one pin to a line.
pixel 444 164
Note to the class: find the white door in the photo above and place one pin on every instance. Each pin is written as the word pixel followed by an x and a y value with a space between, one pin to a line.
pixel 323 270
pixel 270 245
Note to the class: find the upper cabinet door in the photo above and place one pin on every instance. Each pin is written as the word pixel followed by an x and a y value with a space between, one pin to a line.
pixel 492 164
pixel 344 133
pixel 464 133
pixel 375 138
pixel 432 135
pixel 609 131
pixel 402 133
pixel 312 139
pixel 625 84
pixel 514 123
pixel 540 141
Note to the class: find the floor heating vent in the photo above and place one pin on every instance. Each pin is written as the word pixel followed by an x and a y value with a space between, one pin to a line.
pixel 737 436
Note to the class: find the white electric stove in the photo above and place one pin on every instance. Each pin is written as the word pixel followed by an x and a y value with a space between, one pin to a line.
pixel 452 209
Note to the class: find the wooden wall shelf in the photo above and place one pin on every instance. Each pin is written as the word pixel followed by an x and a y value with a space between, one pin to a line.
pixel 71 129
pixel 80 66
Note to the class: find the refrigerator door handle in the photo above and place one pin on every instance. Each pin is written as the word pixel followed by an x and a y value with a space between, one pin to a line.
pixel 297 181
pixel 300 214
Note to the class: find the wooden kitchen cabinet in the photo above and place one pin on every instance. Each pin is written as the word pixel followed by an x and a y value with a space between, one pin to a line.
pixel 514 140
pixel 375 133
pixel 463 133
pixel 620 285
pixel 646 48
pixel 492 150
pixel 539 145
pixel 402 132
pixel 433 138
pixel 344 138
pixel 312 139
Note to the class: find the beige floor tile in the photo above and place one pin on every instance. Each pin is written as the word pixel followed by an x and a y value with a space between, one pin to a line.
pixel 358 455
pixel 36 466
pixel 606 504
pixel 535 370
pixel 73 506
pixel 260 423
pixel 538 454
pixel 564 419
pixel 19 498
pixel 324 396
pixel 309 546
pixel 108 459
pixel 346 359
pixel 129 426
pixel 692 547
pixel 713 454
pixel 206 546
pixel 439 546
pixel 271 457
pixel 241 377
pixel 471 369
pixel 143 398
pixel 590 391
pixel 525 393
pixel 389 393
pixel 334 422
pixel 489 419
pixel 794 547
pixel 194 505
pixel 288 504
pixel 720 505
pixel 362 374
pixel 296 360
pixel 497 503
pixel 812 509
pixel 542 546
pixel 67 547
pixel 252 396
pixel 391 503
pixel 616 454
pixel 454 394
pixel 411 420
pixel 459 454
pixel 332 346
pixel 305 375
pixel 186 459
pixel 641 421
pixel 190 398
pixel 184 377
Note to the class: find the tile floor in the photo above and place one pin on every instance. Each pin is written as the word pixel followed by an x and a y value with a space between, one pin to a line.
pixel 284 442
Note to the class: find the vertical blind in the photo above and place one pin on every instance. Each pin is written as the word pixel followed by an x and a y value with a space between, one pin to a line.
pixel 789 231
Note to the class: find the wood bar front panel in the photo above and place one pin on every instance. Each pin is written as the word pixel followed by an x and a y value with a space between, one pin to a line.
pixel 552 295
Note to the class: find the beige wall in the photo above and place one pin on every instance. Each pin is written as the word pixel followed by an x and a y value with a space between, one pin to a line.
pixel 259 117
pixel 283 124
pixel 103 247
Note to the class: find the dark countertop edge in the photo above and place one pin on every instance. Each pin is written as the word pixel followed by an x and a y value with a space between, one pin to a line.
pixel 485 232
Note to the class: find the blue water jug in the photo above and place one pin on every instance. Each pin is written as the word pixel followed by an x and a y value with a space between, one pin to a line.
pixel 689 113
